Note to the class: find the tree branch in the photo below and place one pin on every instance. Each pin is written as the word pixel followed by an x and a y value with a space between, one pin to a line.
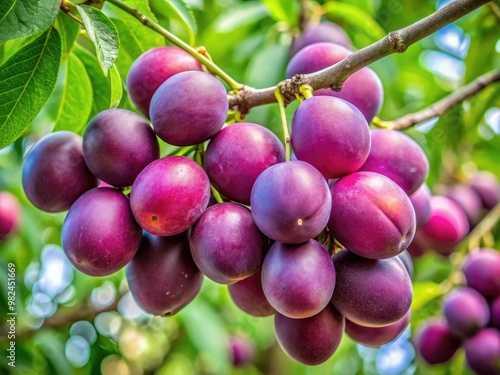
pixel 442 106
pixel 335 75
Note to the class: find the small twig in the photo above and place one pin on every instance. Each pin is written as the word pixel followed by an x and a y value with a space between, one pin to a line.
pixel 485 226
pixel 67 10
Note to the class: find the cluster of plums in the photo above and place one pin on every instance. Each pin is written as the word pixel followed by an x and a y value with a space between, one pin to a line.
pixel 471 318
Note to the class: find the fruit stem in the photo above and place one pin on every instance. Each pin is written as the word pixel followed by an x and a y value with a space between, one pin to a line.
pixel 483 228
pixel 216 194
pixel 286 135
pixel 183 151
pixel 381 124
pixel 212 67
pixel 306 91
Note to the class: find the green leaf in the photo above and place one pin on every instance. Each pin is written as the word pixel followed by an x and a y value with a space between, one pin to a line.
pixel 131 52
pixel 283 10
pixel 27 80
pixel 243 15
pixel 116 87
pixel 68 31
pixel 180 11
pixel 76 100
pixel 103 34
pixel 423 293
pixel 20 18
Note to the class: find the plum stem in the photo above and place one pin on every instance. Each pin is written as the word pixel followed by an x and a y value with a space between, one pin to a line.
pixel 216 194
pixel 286 135
pixel 306 91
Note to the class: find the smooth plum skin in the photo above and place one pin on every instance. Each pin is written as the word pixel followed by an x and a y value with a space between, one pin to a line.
pixel 226 244
pixel 298 280
pixel 331 135
pixel 242 351
pixel 488 188
pixel 495 313
pixel 189 108
pixel 153 68
pixel 117 145
pixel 421 201
pixel 162 276
pixel 481 269
pixel 363 89
pixel 435 343
pixel 468 200
pixel 482 352
pixel 169 195
pixel 371 215
pixel 10 214
pixel 466 311
pixel 405 257
pixel 397 156
pixel 237 155
pixel 291 202
pixel 325 31
pixel 376 336
pixel 370 292
pixel 54 172
pixel 446 227
pixel 248 295
pixel 99 234
pixel 312 340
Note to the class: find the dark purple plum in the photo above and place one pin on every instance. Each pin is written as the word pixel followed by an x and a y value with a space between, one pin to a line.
pixel 117 145
pixel 331 135
pixel 226 244
pixel 237 155
pixel 371 215
pixel 298 280
pixel 54 172
pixel 312 340
pixel 446 227
pixel 163 277
pixel 416 247
pixel 421 201
pixel 495 313
pixel 248 295
pixel 466 311
pixel 189 108
pixel 370 292
pixel 435 343
pixel 397 156
pixel 153 68
pixel 482 352
pixel 325 31
pixel 488 188
pixel 405 257
pixel 169 195
pixel 482 271
pixel 241 351
pixel 99 234
pixel 290 202
pixel 10 214
pixel 363 89
pixel 468 200
pixel 376 336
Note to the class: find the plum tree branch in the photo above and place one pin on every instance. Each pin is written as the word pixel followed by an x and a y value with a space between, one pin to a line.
pixel 335 75
pixel 442 106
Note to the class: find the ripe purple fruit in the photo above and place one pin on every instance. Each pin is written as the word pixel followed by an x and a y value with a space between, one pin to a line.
pixel 99 234
pixel 169 195
pixel 242 351
pixel 153 68
pixel 435 343
pixel 482 352
pixel 370 292
pixel 371 215
pixel 323 32
pixel 291 202
pixel 226 244
pixel 117 145
pixel 482 271
pixel 495 312
pixel 331 135
pixel 468 200
pixel 237 155
pixel 312 340
pixel 298 280
pixel 405 257
pixel 189 108
pixel 54 172
pixel 248 295
pixel 421 201
pixel 487 186
pixel 10 212
pixel 162 276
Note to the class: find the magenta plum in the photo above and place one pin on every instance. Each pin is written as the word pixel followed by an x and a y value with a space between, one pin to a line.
pixel 298 280
pixel 370 292
pixel 237 155
pixel 312 340
pixel 153 68
pixel 468 200
pixel 169 195
pixel 54 172
pixel 290 202
pixel 331 135
pixel 421 201
pixel 226 244
pixel 488 188
pixel 162 276
pixel 117 145
pixel 242 351
pixel 435 343
pixel 189 108
pixel 405 257
pixel 482 271
pixel 99 234
pixel 482 352
pixel 495 312
pixel 10 214
pixel 327 32
pixel 248 295
pixel 371 215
